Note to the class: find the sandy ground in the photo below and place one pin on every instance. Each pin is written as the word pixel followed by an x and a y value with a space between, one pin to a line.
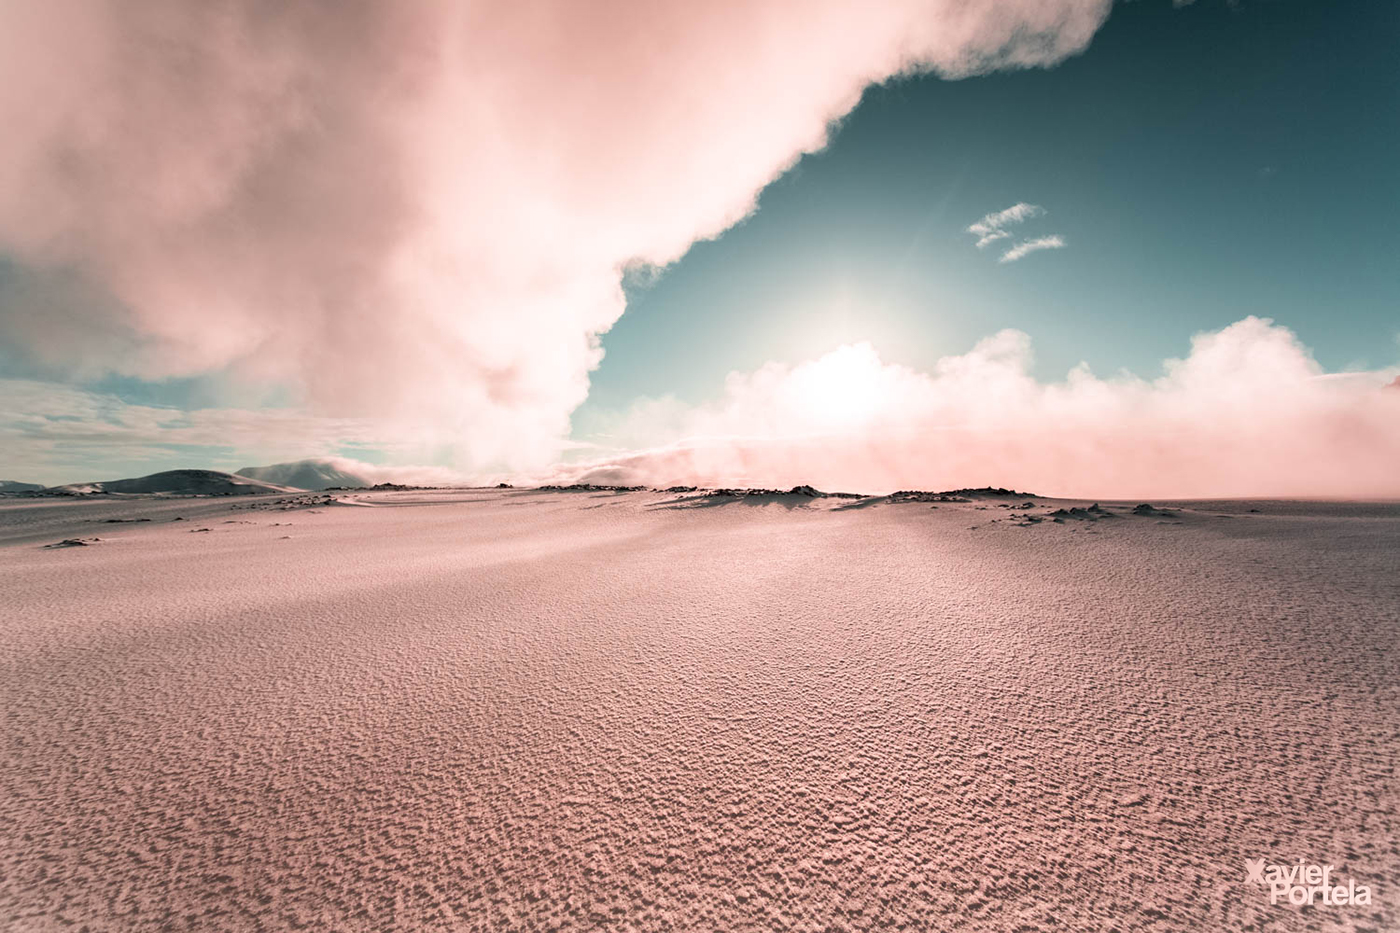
pixel 524 710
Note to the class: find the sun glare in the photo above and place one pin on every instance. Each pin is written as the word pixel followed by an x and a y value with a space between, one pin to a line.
pixel 842 389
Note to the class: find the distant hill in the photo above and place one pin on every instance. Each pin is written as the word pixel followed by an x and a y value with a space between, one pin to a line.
pixel 9 485
pixel 306 474
pixel 176 482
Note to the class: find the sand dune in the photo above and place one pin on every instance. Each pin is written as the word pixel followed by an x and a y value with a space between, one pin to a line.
pixel 526 710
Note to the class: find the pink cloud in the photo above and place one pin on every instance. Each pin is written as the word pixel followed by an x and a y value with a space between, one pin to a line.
pixel 418 213
pixel 1247 413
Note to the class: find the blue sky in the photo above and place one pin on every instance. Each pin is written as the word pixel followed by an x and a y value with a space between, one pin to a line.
pixel 1199 165
pixel 1203 164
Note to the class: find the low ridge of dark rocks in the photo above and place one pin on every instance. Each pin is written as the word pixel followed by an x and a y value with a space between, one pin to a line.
pixel 966 494
pixel 809 492
pixel 1091 513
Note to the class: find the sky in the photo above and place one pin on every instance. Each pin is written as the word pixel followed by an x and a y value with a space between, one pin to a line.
pixel 1202 163
pixel 1141 249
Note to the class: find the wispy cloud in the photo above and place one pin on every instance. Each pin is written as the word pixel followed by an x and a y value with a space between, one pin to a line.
pixel 1026 247
pixel 992 227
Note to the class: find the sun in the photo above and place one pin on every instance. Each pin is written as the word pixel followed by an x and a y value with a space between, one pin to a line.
pixel 845 388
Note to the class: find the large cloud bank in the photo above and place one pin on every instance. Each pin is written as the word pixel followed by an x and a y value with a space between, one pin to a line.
pixel 416 212
pixel 1247 413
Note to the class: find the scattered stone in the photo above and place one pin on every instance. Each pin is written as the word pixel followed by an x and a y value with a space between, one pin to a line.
pixel 590 487
pixel 380 487
pixel 965 494
pixel 810 492
pixel 1091 513
pixel 919 495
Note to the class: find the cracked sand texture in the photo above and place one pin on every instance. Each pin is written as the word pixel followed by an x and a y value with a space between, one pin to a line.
pixel 515 710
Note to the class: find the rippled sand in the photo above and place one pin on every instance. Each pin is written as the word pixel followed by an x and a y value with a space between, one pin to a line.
pixel 500 710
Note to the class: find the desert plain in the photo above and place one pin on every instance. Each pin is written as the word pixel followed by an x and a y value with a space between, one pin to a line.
pixel 590 709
